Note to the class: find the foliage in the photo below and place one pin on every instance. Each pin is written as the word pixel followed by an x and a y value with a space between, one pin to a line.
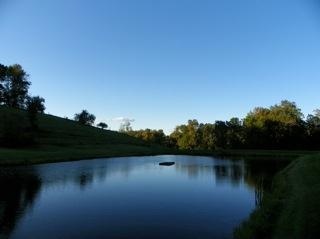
pixel 35 105
pixel 279 127
pixel 185 136
pixel 14 86
pixel 59 139
pixel 85 118
pixel 102 125
pixel 153 136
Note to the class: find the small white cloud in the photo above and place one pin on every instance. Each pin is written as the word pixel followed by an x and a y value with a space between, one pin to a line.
pixel 122 119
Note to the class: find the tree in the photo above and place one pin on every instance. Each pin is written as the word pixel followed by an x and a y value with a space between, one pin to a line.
pixel 15 86
pixel 102 125
pixel 220 131
pixel 125 126
pixel 287 112
pixel 35 105
pixel 186 135
pixel 206 136
pixel 235 136
pixel 3 72
pixel 317 113
pixel 313 130
pixel 85 118
pixel 149 135
pixel 280 126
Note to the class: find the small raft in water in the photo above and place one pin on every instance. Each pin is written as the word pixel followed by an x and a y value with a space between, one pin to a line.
pixel 166 163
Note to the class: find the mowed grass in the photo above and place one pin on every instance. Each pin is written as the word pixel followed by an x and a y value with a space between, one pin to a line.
pixel 292 209
pixel 60 139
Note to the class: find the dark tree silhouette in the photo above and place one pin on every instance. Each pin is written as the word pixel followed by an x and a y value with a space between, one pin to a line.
pixel 14 86
pixel 102 125
pixel 280 126
pixel 35 105
pixel 3 72
pixel 153 136
pixel 85 118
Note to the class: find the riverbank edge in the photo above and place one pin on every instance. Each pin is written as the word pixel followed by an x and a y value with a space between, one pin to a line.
pixel 28 156
pixel 292 209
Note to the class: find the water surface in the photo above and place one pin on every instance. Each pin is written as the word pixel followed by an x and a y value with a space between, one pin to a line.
pixel 133 197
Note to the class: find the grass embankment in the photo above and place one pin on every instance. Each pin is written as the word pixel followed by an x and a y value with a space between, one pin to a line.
pixel 292 209
pixel 60 139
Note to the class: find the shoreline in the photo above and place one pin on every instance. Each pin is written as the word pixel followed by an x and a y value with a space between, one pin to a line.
pixel 50 154
pixel 292 208
pixel 271 220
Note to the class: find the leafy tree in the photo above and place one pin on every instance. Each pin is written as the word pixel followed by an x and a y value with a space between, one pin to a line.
pixel 206 136
pixel 220 131
pixel 15 86
pixel 280 126
pixel 102 125
pixel 149 135
pixel 35 105
pixel 235 135
pixel 186 135
pixel 313 130
pixel 287 112
pixel 85 118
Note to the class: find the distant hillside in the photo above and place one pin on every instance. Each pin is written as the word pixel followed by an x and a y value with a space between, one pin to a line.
pixel 59 139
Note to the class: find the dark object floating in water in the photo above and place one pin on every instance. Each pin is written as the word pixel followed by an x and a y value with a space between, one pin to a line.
pixel 166 163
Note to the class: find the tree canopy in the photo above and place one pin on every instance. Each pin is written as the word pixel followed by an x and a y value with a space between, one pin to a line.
pixel 102 125
pixel 85 118
pixel 14 86
pixel 281 126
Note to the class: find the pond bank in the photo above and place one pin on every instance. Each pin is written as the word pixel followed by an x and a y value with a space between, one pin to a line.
pixel 53 154
pixel 292 209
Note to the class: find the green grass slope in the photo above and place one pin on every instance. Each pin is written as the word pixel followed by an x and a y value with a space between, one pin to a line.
pixel 292 210
pixel 60 139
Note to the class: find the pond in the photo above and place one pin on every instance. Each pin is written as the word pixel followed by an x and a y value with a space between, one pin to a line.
pixel 132 197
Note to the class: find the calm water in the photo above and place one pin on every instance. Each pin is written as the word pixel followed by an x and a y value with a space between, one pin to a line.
pixel 134 197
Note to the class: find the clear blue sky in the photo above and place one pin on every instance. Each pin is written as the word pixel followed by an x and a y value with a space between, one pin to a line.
pixel 162 62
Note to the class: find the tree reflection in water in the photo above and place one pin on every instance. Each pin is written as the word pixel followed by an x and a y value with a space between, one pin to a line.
pixel 18 191
pixel 20 186
pixel 258 174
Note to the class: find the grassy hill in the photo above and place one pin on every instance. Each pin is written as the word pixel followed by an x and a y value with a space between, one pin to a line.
pixel 292 209
pixel 59 139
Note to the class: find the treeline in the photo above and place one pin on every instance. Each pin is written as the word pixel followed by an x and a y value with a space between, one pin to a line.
pixel 281 126
pixel 152 136
pixel 18 130
pixel 14 87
